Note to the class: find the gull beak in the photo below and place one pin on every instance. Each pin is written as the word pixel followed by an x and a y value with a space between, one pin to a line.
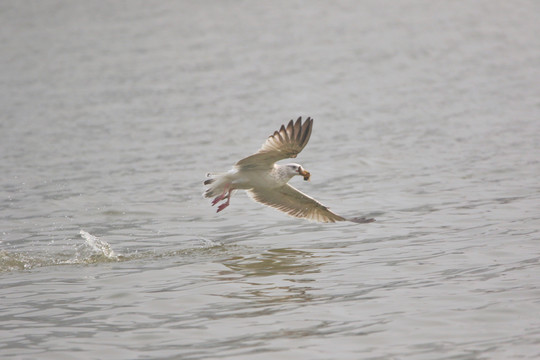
pixel 304 173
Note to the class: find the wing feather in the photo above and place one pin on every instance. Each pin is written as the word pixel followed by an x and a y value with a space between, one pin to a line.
pixel 287 142
pixel 295 203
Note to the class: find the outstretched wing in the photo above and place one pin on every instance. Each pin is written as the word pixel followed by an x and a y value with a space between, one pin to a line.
pixel 285 143
pixel 295 203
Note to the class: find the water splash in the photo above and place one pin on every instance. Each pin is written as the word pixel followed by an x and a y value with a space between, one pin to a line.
pixel 15 261
pixel 99 246
pixel 93 251
pixel 207 243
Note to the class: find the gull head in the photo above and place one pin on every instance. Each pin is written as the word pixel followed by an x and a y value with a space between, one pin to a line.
pixel 296 169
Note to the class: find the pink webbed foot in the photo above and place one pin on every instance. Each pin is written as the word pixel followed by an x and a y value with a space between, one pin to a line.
pixel 225 204
pixel 222 196
pixel 222 206
pixel 218 199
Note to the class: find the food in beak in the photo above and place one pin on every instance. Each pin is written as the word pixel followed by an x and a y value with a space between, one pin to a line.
pixel 305 174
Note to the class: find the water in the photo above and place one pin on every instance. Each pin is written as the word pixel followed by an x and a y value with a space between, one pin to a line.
pixel 426 118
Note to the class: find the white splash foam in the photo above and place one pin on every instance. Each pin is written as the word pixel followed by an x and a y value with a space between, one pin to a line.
pixel 207 243
pixel 98 245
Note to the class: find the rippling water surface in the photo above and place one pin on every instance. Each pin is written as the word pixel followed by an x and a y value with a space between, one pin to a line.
pixel 427 117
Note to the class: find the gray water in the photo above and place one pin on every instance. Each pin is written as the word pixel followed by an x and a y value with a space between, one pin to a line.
pixel 427 117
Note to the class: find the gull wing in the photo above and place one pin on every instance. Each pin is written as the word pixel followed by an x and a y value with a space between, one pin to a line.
pixel 295 203
pixel 285 143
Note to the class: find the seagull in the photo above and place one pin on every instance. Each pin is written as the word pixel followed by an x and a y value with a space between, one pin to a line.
pixel 267 182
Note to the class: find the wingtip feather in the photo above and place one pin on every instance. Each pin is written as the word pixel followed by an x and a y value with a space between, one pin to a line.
pixel 306 132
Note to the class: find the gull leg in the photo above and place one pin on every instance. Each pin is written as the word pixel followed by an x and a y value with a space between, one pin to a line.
pixel 222 196
pixel 224 205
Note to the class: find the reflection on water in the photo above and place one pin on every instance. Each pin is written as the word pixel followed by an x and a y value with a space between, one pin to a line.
pixel 273 262
pixel 279 289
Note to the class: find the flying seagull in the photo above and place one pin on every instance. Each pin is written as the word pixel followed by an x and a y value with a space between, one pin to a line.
pixel 266 182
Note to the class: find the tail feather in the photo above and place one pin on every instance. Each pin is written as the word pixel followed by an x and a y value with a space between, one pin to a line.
pixel 216 184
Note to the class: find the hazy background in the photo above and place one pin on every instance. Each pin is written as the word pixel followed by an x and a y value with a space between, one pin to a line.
pixel 426 117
